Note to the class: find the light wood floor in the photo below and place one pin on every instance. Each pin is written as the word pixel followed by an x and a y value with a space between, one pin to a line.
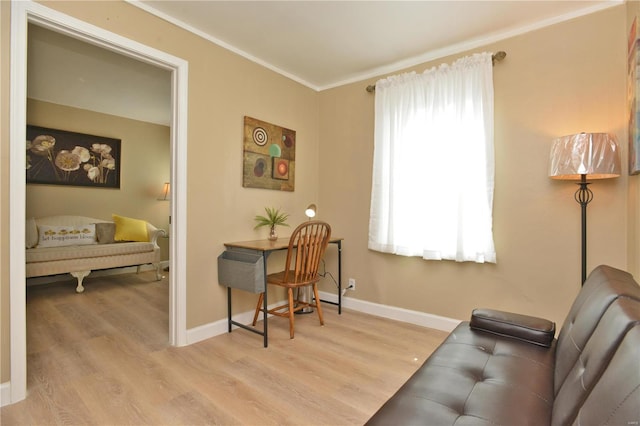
pixel 102 358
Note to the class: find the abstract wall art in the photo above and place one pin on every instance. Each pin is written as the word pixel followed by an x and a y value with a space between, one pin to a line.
pixel 269 159
pixel 60 157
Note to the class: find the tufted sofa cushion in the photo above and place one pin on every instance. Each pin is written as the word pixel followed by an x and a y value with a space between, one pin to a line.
pixel 474 379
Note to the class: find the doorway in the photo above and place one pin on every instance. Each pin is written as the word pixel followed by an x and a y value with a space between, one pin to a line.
pixel 74 86
pixel 23 13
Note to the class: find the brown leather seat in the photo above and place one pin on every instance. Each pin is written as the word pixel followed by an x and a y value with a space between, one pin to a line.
pixel 590 375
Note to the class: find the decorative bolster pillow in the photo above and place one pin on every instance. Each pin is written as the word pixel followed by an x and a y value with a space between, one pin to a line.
pixel 534 330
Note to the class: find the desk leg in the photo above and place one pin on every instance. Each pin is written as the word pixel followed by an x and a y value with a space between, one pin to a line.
pixel 264 258
pixel 339 277
pixel 229 306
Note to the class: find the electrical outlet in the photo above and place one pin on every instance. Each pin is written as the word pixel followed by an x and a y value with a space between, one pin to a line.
pixel 352 284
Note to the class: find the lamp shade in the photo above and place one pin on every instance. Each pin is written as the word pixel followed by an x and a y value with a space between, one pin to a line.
pixel 165 195
pixel 593 154
pixel 310 211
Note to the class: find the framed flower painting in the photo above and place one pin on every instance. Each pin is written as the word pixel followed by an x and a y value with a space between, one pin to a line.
pixel 60 157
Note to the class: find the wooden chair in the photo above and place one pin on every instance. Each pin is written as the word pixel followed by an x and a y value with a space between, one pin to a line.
pixel 306 249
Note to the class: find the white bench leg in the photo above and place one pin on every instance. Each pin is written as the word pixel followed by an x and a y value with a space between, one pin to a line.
pixel 159 275
pixel 80 275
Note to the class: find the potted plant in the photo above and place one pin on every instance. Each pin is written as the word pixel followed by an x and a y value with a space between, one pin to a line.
pixel 273 218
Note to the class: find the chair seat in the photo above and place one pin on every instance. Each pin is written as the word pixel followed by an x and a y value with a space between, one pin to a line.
pixel 277 278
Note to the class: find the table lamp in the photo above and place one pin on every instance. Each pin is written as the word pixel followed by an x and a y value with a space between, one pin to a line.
pixel 304 294
pixel 311 211
pixel 582 156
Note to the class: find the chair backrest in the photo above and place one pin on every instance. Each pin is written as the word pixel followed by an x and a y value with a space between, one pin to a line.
pixel 306 249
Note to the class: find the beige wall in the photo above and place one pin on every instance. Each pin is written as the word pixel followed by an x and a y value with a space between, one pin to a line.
pixel 145 166
pixel 559 80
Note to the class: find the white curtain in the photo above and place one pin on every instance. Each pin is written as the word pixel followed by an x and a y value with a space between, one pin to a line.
pixel 433 166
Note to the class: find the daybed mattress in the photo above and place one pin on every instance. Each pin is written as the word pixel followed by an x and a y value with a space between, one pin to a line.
pixel 49 254
pixel 59 260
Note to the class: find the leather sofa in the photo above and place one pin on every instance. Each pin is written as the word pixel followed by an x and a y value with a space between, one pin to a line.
pixel 508 369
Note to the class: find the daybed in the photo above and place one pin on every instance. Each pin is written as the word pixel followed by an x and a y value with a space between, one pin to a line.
pixel 78 245
pixel 508 369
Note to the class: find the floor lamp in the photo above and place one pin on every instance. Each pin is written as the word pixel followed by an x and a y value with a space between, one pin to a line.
pixel 165 195
pixel 580 157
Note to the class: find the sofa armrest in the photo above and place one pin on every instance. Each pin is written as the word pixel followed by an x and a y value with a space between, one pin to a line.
pixel 155 233
pixel 534 330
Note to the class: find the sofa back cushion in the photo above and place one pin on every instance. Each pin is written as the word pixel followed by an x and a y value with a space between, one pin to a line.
pixel 615 398
pixel 622 315
pixel 604 285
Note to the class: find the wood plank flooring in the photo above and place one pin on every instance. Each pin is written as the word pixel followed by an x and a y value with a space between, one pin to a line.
pixel 102 358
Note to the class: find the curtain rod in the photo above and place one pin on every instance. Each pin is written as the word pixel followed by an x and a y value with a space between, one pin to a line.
pixel 496 57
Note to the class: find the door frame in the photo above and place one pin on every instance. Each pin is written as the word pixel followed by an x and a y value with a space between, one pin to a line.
pixel 23 13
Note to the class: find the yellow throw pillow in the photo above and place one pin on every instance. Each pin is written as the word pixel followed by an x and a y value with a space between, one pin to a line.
pixel 128 229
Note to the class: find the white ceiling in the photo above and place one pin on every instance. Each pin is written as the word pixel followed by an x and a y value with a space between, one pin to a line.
pixel 324 44
pixel 321 44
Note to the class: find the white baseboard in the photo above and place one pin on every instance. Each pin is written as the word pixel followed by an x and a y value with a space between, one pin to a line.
pixel 391 312
pixel 206 331
pixel 5 394
pixel 216 328
pixel 423 319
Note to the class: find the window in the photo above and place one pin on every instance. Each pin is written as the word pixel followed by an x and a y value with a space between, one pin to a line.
pixel 433 167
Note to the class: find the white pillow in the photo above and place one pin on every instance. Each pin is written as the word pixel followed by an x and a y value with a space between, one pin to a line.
pixel 59 236
pixel 31 233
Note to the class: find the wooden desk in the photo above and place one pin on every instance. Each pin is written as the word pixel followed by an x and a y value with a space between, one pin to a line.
pixel 265 248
